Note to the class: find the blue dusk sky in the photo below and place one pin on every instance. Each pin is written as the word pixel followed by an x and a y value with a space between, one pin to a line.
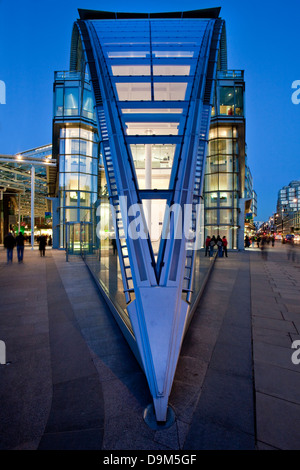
pixel 263 40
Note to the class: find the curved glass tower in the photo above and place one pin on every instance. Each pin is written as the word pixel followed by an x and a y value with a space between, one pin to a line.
pixel 152 78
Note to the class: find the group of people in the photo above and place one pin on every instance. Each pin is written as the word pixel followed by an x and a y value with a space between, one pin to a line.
pixel 220 243
pixel 259 240
pixel 10 241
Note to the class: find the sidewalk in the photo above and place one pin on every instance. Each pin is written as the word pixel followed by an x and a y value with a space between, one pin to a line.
pixel 71 381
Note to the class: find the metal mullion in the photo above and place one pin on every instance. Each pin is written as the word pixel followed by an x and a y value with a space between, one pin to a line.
pixel 130 78
pixel 149 104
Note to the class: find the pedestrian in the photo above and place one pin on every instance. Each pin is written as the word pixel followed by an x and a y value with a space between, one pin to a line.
pixel 50 241
pixel 20 239
pixel 247 241
pixel 291 255
pixel 212 243
pixel 225 243
pixel 264 248
pixel 114 245
pixel 207 245
pixel 273 240
pixel 220 246
pixel 42 244
pixel 9 244
pixel 258 241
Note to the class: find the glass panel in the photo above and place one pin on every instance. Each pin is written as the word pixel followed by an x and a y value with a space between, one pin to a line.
pixel 152 110
pixel 211 216
pixel 173 53
pixel 152 128
pixel 134 91
pixel 226 199
pixel 128 54
pixel 171 69
pixel 71 215
pixel 211 200
pixel 226 100
pixel 86 165
pixel 154 210
pixel 59 101
pixel 85 182
pixel 226 216
pixel 88 104
pixel 239 107
pixel 71 101
pixel 169 91
pixel 70 132
pixel 71 198
pixel 85 199
pixel 153 163
pixel 85 215
pixel 127 70
pixel 72 163
pixel 71 181
pixel 225 181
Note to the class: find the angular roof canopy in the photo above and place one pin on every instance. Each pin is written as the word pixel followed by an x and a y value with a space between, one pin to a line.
pixel 212 13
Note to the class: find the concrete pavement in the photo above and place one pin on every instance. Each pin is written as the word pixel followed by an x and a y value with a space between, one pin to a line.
pixel 72 382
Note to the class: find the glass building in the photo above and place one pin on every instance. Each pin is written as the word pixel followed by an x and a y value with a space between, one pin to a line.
pixel 149 135
pixel 227 180
pixel 76 149
pixel 289 198
pixel 18 193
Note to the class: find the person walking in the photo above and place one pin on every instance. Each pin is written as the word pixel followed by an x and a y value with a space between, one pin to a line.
pixel 273 240
pixel 211 246
pixel 20 239
pixel 247 241
pixel 225 243
pixel 42 244
pixel 9 244
pixel 207 245
pixel 220 246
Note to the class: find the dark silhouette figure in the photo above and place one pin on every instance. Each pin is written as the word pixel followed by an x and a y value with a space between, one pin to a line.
pixel 264 248
pixel 207 245
pixel 42 244
pixel 114 245
pixel 212 243
pixel 247 241
pixel 220 246
pixel 225 243
pixel 9 244
pixel 20 239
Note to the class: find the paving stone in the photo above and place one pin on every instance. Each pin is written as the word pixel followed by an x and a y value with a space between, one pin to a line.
pixel 278 382
pixel 273 324
pixel 278 422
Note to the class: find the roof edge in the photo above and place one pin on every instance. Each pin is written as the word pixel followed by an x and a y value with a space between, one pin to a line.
pixel 207 13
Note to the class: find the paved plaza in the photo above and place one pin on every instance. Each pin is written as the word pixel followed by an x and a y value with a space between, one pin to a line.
pixel 72 382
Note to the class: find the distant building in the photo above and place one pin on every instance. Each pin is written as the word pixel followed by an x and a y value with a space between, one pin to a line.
pixel 288 206
pixel 288 200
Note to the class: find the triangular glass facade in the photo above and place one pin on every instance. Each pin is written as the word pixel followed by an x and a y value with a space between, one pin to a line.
pixel 152 80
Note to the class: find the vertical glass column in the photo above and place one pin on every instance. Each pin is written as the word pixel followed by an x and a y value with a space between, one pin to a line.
pixel 78 180
pixel 221 184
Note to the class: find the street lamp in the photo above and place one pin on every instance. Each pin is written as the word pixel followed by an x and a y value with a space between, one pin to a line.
pixel 282 211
